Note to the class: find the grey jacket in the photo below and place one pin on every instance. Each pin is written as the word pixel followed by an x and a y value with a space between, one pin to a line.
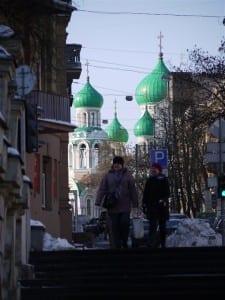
pixel 128 193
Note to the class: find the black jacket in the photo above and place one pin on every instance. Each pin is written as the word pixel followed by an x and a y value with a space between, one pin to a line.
pixel 155 196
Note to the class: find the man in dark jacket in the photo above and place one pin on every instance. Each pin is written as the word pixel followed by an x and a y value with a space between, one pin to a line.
pixel 120 182
pixel 155 204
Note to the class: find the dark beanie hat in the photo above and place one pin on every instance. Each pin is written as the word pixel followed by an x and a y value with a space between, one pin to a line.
pixel 118 160
pixel 157 166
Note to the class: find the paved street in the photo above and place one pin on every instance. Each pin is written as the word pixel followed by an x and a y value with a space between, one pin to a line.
pixel 100 242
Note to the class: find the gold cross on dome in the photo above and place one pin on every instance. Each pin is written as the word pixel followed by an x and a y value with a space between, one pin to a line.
pixel 160 37
pixel 87 64
pixel 115 106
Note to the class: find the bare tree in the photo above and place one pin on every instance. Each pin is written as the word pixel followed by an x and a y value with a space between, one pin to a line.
pixel 198 99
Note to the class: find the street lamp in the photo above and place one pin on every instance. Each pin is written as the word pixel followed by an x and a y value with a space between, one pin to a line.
pixel 129 98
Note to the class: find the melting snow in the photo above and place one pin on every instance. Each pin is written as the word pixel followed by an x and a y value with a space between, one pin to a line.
pixel 194 233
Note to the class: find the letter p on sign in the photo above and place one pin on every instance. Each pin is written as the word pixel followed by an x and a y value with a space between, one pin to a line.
pixel 159 156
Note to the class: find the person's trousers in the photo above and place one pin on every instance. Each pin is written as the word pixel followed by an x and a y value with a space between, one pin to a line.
pixel 155 237
pixel 120 228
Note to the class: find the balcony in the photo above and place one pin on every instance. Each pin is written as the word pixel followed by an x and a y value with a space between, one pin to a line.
pixel 52 107
pixel 53 112
pixel 73 64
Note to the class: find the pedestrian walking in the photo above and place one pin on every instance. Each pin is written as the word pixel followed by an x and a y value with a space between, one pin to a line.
pixel 119 184
pixel 155 205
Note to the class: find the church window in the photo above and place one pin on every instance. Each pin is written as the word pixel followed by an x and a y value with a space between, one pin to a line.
pixel 88 207
pixel 83 156
pixel 96 155
pixel 84 119
pixel 92 119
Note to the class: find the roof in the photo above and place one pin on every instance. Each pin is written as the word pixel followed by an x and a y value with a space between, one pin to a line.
pixel 88 97
pixel 153 87
pixel 144 126
pixel 116 132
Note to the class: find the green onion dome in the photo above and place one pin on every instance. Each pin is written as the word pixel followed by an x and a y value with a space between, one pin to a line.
pixel 88 97
pixel 144 126
pixel 116 132
pixel 153 88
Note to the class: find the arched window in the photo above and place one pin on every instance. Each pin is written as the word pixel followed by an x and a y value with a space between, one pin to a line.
pixel 93 119
pixel 75 151
pixel 84 119
pixel 95 156
pixel 88 207
pixel 83 156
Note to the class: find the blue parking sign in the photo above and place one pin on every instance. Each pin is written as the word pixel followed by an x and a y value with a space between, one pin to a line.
pixel 159 156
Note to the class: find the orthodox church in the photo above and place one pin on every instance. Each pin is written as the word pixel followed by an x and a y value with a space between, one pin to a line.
pixel 84 146
pixel 85 141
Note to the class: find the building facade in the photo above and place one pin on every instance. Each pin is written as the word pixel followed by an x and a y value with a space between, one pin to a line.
pixel 33 161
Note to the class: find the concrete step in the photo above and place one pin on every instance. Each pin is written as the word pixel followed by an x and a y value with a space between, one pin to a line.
pixel 140 272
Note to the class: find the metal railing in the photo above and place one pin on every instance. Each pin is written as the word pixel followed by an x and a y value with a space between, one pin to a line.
pixel 51 106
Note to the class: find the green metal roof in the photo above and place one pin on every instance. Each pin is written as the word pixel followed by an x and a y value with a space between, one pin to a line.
pixel 88 97
pixel 116 132
pixel 144 126
pixel 153 88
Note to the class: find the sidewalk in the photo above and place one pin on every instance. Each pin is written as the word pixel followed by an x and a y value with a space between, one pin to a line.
pixel 101 243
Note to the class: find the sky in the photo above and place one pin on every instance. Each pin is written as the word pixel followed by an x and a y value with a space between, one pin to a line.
pixel 120 42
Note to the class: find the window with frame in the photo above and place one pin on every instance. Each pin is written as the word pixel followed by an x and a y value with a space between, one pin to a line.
pixel 83 156
pixel 46 183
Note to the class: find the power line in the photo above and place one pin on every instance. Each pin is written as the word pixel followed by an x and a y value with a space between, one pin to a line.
pixel 120 69
pixel 96 86
pixel 111 68
pixel 116 64
pixel 147 14
pixel 131 51
pixel 118 50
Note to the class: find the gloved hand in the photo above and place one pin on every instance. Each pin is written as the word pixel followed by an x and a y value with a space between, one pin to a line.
pixel 144 209
pixel 135 212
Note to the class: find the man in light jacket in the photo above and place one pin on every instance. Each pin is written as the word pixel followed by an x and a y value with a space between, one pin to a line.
pixel 119 181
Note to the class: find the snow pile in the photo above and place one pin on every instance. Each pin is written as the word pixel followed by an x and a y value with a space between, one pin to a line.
pixel 53 244
pixel 194 233
pixel 37 223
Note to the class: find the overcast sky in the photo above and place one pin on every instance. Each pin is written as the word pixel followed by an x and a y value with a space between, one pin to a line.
pixel 119 39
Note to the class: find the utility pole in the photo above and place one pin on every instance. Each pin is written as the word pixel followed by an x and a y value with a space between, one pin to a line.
pixel 221 173
pixel 136 168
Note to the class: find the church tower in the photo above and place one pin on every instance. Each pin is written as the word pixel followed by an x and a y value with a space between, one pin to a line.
pixel 84 144
pixel 117 135
pixel 84 147
pixel 85 140
pixel 150 95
